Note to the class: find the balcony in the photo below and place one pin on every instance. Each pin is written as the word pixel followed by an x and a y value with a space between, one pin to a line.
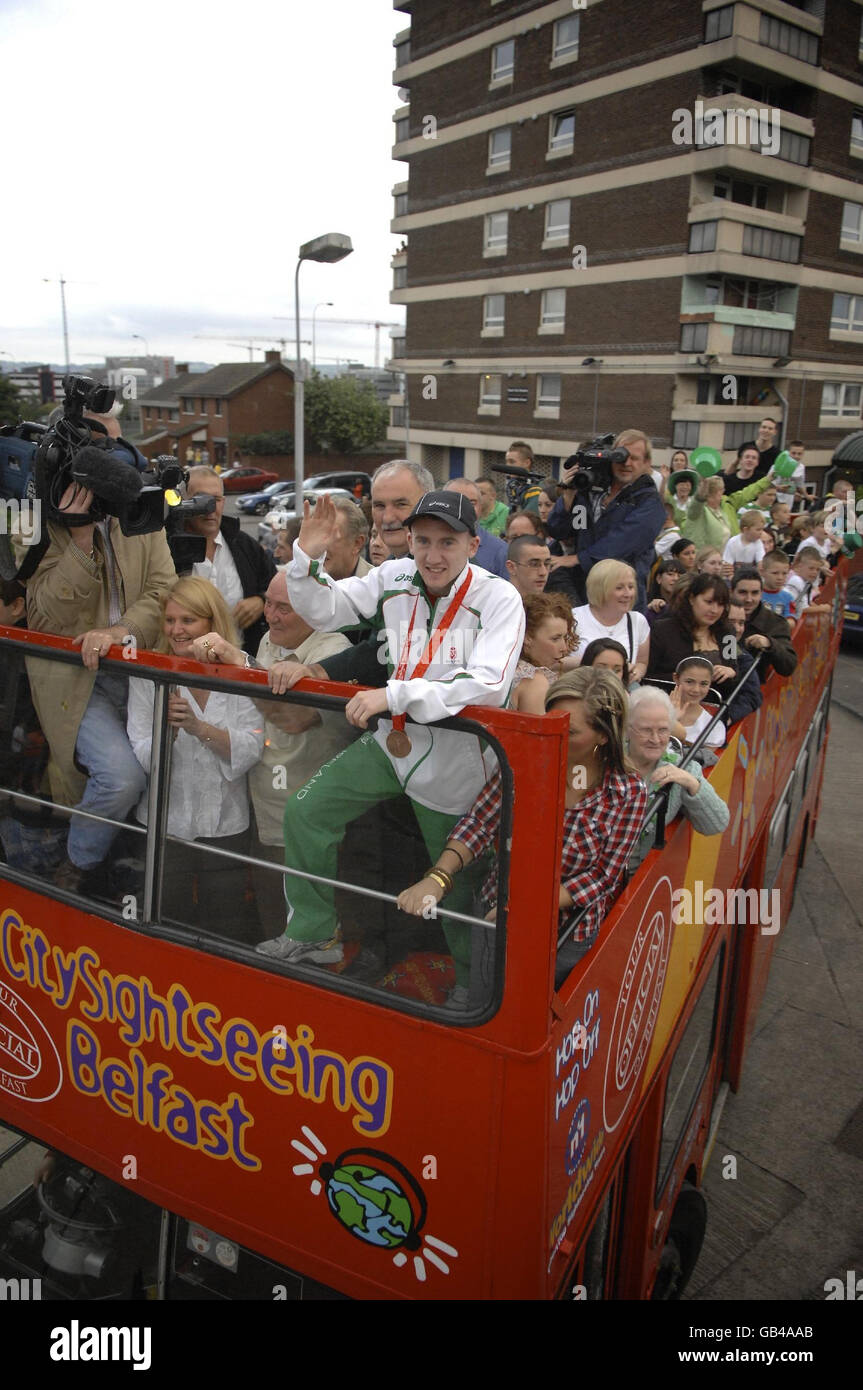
pixel 768 33
pixel 402 46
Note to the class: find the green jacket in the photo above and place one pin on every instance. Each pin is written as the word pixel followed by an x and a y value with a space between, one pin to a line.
pixel 496 520
pixel 702 524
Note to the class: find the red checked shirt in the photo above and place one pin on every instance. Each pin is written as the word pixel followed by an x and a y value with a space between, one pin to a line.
pixel 598 837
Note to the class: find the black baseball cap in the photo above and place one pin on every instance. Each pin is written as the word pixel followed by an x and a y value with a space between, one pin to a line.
pixel 451 507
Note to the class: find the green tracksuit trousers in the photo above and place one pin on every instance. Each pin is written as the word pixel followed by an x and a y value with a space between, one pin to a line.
pixel 315 820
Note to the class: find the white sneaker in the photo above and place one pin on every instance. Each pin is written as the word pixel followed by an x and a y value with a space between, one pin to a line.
pixel 315 952
pixel 458 1000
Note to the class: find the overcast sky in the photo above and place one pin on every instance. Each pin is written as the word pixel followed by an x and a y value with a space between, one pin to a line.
pixel 169 158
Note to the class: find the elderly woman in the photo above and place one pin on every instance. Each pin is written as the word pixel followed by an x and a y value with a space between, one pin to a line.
pixel 217 738
pixel 611 593
pixel 651 716
pixel 603 816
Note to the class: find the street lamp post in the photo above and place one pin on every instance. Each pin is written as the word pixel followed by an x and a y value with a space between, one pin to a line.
pixel 62 283
pixel 331 247
pixel 324 304
pixel 142 339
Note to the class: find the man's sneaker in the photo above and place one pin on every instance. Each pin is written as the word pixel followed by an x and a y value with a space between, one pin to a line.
pixel 458 1000
pixel 315 952
pixel 68 877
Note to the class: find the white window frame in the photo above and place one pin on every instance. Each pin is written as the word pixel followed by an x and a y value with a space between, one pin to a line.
pixel 499 163
pixel 565 51
pixel 857 135
pixel 556 148
pixel 489 404
pixel 548 405
pixel 850 236
pixel 842 326
pixel 501 75
pixel 552 316
pixel 839 414
pixel 493 324
pixel 495 245
pixel 555 238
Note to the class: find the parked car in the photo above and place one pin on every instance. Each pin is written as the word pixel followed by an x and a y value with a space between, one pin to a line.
pixel 358 484
pixel 853 628
pixel 275 519
pixel 258 503
pixel 246 477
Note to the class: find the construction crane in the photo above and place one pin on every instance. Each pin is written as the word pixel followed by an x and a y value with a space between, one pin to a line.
pixel 248 343
pixel 376 324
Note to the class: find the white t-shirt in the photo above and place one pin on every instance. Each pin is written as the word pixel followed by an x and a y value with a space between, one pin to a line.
pixel 824 547
pixel 589 629
pixel 716 737
pixel 798 478
pixel 740 552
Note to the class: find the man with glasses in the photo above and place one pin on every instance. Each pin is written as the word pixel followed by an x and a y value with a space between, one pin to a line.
pixel 298 739
pixel 529 564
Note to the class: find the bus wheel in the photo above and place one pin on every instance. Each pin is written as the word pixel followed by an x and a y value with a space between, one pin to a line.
pixel 682 1244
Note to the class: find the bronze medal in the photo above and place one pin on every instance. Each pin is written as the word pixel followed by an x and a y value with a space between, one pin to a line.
pixel 398 743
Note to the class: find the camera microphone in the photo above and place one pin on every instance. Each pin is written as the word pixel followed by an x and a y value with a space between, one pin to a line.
pixel 113 481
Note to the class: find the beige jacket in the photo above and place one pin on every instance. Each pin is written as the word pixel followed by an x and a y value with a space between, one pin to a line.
pixel 69 595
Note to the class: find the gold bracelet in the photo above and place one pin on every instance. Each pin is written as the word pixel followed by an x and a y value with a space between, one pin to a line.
pixel 441 878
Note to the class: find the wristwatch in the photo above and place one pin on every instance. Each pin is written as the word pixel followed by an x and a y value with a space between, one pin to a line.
pixel 250 663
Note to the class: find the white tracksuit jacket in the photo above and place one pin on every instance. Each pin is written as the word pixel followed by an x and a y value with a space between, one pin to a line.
pixel 474 666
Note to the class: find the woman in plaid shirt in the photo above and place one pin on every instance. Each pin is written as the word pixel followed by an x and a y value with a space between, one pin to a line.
pixel 604 813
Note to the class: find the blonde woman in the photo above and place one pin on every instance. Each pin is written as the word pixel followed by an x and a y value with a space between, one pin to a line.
pixel 217 738
pixel 611 594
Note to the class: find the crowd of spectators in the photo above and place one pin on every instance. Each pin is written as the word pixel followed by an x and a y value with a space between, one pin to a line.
pixel 642 605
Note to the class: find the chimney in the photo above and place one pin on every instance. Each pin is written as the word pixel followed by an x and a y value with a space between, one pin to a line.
pixel 272 355
pixel 181 368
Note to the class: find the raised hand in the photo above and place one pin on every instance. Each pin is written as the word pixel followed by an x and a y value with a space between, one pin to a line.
pixel 318 530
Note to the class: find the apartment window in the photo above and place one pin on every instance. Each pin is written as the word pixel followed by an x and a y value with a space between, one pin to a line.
pixel 503 61
pixel 752 195
pixel 852 222
pixel 847 316
pixel 397 347
pixel 857 134
pixel 397 417
pixel 553 311
pixel 693 337
pixel 719 24
pixel 684 434
pixel 860 43
pixel 561 135
pixel 175 415
pixel 793 147
pixel 840 400
pixel 548 391
pixel 787 38
pixel 775 246
pixel 557 220
pixel 401 204
pixel 566 38
pixel 499 148
pixel 496 231
pixel 761 342
pixel 403 53
pixel 489 392
pixel 737 432
pixel 751 294
pixel 187 406
pixel 218 408
pixel 493 310
pixel 702 236
pixel 403 125
pixel 400 277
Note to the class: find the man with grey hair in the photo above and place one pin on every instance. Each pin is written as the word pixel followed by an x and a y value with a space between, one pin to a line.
pixel 345 556
pixel 396 489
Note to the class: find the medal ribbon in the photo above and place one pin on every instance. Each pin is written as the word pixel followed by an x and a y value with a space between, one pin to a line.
pixel 435 642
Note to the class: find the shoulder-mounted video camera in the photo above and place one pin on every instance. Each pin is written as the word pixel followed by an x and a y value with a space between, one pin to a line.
pixel 521 484
pixel 589 468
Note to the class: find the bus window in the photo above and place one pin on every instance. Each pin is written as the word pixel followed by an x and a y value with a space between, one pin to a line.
pixel 594 1267
pixel 687 1072
pixel 778 835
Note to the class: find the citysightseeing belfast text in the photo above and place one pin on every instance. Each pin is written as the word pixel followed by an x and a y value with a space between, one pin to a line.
pixel 145 1091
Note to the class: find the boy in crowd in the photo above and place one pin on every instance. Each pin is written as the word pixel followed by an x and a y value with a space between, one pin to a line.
pixel 780 520
pixel 748 547
pixel 826 545
pixel 802 583
pixel 793 490
pixel 774 572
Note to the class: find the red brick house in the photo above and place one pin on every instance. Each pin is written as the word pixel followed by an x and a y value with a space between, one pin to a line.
pixel 197 411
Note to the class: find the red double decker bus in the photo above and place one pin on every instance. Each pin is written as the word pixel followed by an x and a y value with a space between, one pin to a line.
pixel 221 1125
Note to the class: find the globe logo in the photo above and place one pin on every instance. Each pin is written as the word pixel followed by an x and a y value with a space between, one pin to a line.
pixel 371 1205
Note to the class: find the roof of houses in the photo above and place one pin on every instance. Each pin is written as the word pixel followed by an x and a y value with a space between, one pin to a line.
pixel 223 381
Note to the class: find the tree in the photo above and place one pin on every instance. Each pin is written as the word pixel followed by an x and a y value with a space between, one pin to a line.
pixel 344 413
pixel 270 443
pixel 11 402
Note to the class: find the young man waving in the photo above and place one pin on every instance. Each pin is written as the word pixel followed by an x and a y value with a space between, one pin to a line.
pixel 451 635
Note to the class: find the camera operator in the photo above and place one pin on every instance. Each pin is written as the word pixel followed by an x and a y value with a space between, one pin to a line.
pixel 619 523
pixel 235 563
pixel 100 587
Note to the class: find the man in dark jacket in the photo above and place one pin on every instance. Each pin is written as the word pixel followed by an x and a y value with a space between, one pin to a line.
pixel 236 564
pixel 766 634
pixel 620 524
pixel 749 696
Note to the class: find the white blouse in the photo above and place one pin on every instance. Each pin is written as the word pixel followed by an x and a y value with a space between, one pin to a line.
pixel 589 629
pixel 209 795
